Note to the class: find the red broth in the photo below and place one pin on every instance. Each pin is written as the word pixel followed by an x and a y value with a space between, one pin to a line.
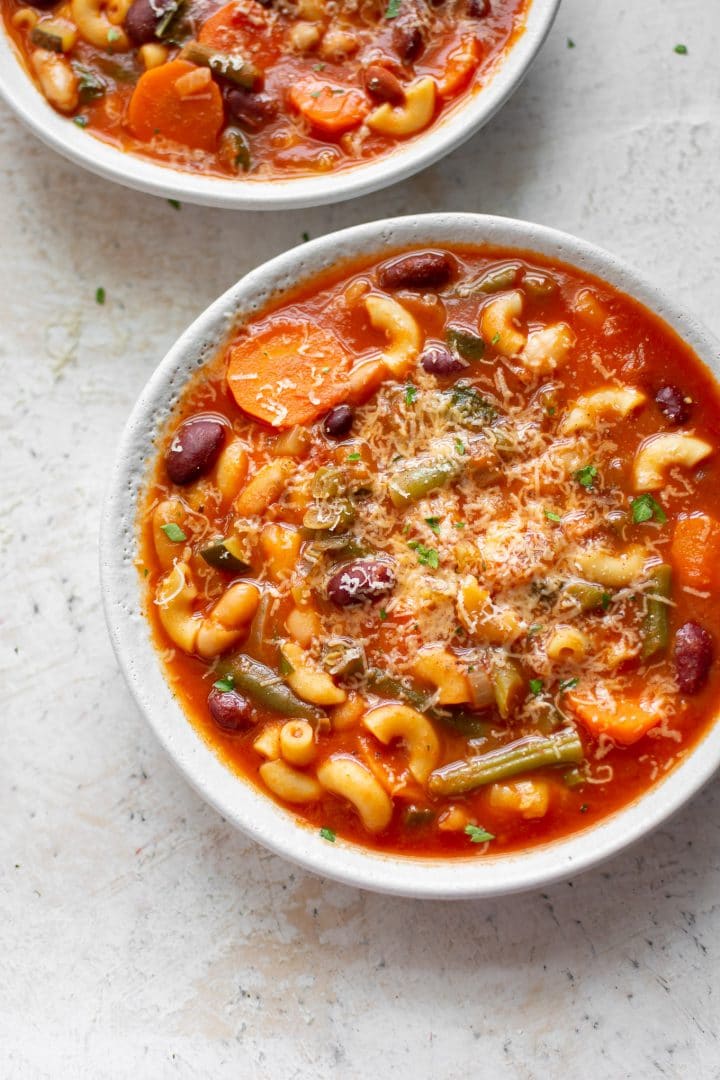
pixel 521 581
pixel 258 91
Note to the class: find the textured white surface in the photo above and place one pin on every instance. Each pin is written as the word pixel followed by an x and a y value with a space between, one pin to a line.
pixel 141 937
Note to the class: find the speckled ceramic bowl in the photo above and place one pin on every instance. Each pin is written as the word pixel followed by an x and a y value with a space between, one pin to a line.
pixel 410 157
pixel 239 801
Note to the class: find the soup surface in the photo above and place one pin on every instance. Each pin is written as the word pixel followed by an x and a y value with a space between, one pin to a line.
pixel 260 89
pixel 431 551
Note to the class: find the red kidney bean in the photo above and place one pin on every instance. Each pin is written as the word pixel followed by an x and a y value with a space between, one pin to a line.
pixel 383 85
pixel 194 448
pixel 338 421
pixel 229 709
pixel 478 9
pixel 693 657
pixel 437 360
pixel 672 404
pixel 143 17
pixel 424 270
pixel 408 40
pixel 360 580
pixel 251 110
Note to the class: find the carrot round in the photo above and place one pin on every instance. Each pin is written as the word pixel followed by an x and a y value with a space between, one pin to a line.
pixel 243 26
pixel 288 373
pixel 695 551
pixel 330 108
pixel 190 113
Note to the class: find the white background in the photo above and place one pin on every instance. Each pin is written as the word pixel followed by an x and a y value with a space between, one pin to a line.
pixel 139 935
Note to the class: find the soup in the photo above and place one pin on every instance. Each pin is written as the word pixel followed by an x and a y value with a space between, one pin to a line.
pixel 260 90
pixel 431 551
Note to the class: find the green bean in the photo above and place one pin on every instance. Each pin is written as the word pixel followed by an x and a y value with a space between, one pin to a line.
pixel 259 640
pixel 341 656
pixel 230 67
pixel 522 756
pixel 388 686
pixel 589 597
pixel 464 723
pixel 508 681
pixel 656 625
pixel 503 277
pixel 416 479
pixel 266 688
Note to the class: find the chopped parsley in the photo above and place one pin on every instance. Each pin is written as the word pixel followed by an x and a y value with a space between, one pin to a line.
pixel 393 9
pixel 536 686
pixel 355 456
pixel 173 532
pixel 113 34
pixel 410 394
pixel 81 121
pixel 434 523
pixel 99 295
pixel 568 684
pixel 318 67
pixel 426 556
pixel 460 446
pixel 605 601
pixel 328 834
pixel 570 43
pixel 383 614
pixel 305 237
pixel 495 338
pixel 459 525
pixel 534 629
pixel 645 508
pixel 478 835
pixel 681 50
pixel 175 203
pixel 551 515
pixel 584 808
pixel 225 685
pixel 586 476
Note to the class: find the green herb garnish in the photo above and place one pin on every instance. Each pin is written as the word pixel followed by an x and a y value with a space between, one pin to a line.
pixel 99 295
pixel 225 685
pixel 495 338
pixel 410 394
pixel 393 9
pixel 383 614
pixel 586 476
pixel 478 835
pixel 434 523
pixel 568 684
pixel 645 508
pixel 426 556
pixel 81 121
pixel 551 515
pixel 570 43
pixel 175 203
pixel 536 686
pixel 305 237
pixel 355 456
pixel 328 834
pixel 681 50
pixel 460 446
pixel 173 532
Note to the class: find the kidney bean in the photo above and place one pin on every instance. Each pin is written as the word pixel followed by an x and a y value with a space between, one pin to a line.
pixel 478 9
pixel 143 17
pixel 338 421
pixel 437 360
pixel 408 40
pixel 194 449
pixel 229 709
pixel 693 657
pixel 672 404
pixel 383 85
pixel 360 580
pixel 424 270
pixel 251 110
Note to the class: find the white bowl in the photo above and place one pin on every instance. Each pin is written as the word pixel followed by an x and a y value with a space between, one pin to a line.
pixel 19 91
pixel 236 799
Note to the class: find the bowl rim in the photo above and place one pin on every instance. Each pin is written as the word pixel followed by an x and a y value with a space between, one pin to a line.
pixel 111 163
pixel 240 802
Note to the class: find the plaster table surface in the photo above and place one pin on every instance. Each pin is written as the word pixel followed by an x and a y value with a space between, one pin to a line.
pixel 143 937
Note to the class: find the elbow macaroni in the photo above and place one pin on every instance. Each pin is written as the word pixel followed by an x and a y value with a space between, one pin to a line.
pixel 289 783
pixel 616 571
pixel 567 644
pixel 345 776
pixel 663 452
pixel 390 722
pixel 498 323
pixel 610 401
pixel 402 331
pixel 413 115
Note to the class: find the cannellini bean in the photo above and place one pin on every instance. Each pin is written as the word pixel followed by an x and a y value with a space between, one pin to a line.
pixel 57 79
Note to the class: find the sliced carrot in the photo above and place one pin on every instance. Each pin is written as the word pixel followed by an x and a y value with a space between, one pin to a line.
pixel 330 108
pixel 288 373
pixel 624 720
pixel 159 107
pixel 460 66
pixel 243 26
pixel 695 552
